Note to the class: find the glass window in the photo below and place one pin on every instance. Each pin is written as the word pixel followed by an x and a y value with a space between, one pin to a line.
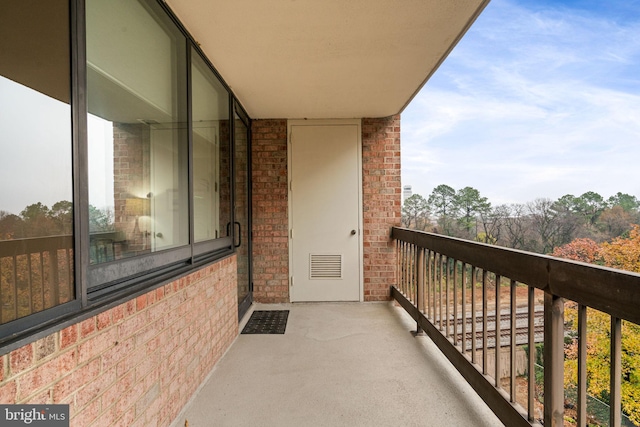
pixel 137 134
pixel 36 194
pixel 211 156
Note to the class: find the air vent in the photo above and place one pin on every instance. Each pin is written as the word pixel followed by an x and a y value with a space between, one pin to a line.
pixel 325 266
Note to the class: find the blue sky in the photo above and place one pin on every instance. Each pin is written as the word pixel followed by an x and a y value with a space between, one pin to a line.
pixel 539 99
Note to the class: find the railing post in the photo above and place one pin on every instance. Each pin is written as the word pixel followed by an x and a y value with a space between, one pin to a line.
pixel 615 375
pixel 54 278
pixel 553 360
pixel 582 365
pixel 420 285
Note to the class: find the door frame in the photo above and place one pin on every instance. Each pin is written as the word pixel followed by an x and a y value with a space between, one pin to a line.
pixel 237 111
pixel 325 122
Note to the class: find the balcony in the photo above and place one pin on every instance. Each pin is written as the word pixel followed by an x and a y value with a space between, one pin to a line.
pixel 359 364
pixel 337 364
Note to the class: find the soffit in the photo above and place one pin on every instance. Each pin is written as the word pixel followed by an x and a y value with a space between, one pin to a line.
pixel 329 58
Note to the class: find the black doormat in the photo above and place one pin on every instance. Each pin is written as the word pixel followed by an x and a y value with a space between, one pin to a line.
pixel 267 322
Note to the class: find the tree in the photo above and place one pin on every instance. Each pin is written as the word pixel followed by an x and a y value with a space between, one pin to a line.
pixel 551 223
pixel 568 202
pixel 584 250
pixel 34 212
pixel 590 205
pixel 62 215
pixel 415 212
pixel 623 252
pixel 441 202
pixel 100 220
pixel 515 225
pixel 468 203
pixel 616 221
pixel 598 359
pixel 10 226
pixel 566 220
pixel 37 221
pixel 620 253
pixel 493 222
pixel 625 201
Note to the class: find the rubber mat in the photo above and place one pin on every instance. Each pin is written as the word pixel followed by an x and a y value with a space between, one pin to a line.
pixel 267 322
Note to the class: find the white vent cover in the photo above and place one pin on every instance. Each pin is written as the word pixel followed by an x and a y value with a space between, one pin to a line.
pixel 325 266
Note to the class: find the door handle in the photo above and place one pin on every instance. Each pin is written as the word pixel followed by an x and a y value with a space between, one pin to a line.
pixel 239 235
pixel 353 232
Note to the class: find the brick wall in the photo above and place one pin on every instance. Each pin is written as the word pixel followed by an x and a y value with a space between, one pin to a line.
pixel 131 174
pixel 136 364
pixel 382 194
pixel 270 211
pixel 382 198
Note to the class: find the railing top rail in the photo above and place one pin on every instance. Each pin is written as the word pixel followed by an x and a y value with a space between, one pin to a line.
pixel 612 291
pixel 34 245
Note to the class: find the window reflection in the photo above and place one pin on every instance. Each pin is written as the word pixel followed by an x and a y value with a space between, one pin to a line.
pixel 36 209
pixel 211 157
pixel 137 140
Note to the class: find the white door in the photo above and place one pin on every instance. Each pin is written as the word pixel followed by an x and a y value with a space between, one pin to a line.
pixel 325 263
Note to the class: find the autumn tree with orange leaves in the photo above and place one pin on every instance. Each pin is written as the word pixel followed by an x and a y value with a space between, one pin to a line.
pixel 621 253
pixel 584 250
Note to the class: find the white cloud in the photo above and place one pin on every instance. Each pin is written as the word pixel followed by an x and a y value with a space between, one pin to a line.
pixel 532 103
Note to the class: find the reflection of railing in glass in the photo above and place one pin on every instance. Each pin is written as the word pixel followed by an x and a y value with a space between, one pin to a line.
pixel 35 274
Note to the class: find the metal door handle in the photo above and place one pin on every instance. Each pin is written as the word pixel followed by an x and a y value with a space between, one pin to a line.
pixel 353 232
pixel 239 235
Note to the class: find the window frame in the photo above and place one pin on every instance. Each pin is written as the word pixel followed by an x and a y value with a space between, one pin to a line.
pixel 143 272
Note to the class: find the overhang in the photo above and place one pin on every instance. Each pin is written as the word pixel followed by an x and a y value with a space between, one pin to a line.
pixel 329 58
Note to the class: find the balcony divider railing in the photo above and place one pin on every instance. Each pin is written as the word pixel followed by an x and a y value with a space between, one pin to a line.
pixel 436 285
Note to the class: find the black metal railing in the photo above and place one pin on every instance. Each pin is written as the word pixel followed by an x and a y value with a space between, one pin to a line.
pixel 482 305
pixel 35 274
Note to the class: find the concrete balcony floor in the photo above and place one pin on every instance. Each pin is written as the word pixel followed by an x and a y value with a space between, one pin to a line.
pixel 338 364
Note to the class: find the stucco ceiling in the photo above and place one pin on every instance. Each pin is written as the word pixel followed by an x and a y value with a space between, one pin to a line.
pixel 326 58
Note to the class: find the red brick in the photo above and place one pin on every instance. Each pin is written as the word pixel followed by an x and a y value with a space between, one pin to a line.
pixel 44 347
pixel 141 302
pixel 21 359
pixel 118 313
pixel 122 384
pixel 68 336
pixel 87 415
pixel 103 320
pixel 75 380
pixel 96 387
pixel 45 374
pixel 43 398
pixel 109 384
pixel 96 345
pixel 269 170
pixel 131 325
pixel 87 327
pixel 8 392
pixel 381 200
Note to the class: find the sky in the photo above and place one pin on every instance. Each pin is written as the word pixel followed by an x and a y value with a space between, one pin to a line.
pixel 539 99
pixel 33 171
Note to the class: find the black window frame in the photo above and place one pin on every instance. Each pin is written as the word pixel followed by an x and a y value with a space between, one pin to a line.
pixel 159 267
